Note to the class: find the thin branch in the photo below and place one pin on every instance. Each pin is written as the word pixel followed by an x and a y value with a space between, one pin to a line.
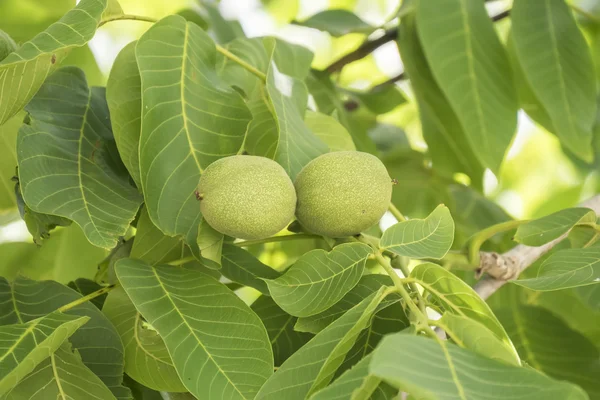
pixel 127 17
pixel 500 268
pixel 369 46
pixel 364 50
pixel 242 63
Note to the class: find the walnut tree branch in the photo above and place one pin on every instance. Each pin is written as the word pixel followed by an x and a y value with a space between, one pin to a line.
pixel 500 268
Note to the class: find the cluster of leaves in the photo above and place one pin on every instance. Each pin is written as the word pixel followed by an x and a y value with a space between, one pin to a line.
pixel 162 318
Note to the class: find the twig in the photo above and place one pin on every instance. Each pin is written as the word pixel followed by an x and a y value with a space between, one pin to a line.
pixel 364 50
pixel 369 46
pixel 500 268
pixel 127 17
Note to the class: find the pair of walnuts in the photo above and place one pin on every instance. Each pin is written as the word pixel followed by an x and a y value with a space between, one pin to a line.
pixel 335 195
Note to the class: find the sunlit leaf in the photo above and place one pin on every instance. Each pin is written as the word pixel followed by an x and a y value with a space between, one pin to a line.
pixel 146 357
pixel 25 345
pixel 431 237
pixel 547 344
pixel 313 366
pixel 330 131
pixel 65 256
pixel 445 137
pixel 442 371
pixel 190 118
pixel 357 384
pixel 366 286
pixel 467 61
pixel 280 327
pixel 545 229
pixel 242 267
pixel 565 269
pixel 474 336
pixel 456 297
pixel 97 342
pixel 562 76
pixel 37 58
pixel 337 22
pixel 61 376
pixel 68 161
pixel 319 279
pixel 124 98
pixel 200 319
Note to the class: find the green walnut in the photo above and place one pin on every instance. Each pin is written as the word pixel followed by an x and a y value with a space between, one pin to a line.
pixel 246 197
pixel 7 45
pixel 342 193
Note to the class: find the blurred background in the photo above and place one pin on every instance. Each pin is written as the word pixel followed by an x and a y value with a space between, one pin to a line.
pixel 537 177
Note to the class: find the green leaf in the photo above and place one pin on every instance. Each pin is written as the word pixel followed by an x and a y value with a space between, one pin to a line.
pixel 68 162
pixel 190 118
pixel 442 371
pixel 210 243
pixel 319 279
pixel 590 295
pixel 285 341
pixel 65 256
pixel 146 357
pixel 562 76
pixel 8 163
pixel 61 376
pixel 24 346
pixel 223 29
pixel 337 23
pixel 387 320
pixel 366 286
pixel 313 366
pixel 446 139
pixel 379 100
pixel 329 130
pixel 124 98
pixel 154 247
pixel 39 225
pixel 84 287
pixel 278 130
pixel 547 344
pixel 200 319
pixel 565 269
pixel 474 336
pixel 457 36
pixel 36 59
pixel 550 227
pixel 431 237
pixel 357 384
pixel 456 297
pixel 97 342
pixel 242 267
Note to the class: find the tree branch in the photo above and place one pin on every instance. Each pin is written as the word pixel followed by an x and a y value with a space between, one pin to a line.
pixel 364 50
pixel 500 268
pixel 369 46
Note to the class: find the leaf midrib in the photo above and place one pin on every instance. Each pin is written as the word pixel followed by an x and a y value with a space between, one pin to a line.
pixel 168 295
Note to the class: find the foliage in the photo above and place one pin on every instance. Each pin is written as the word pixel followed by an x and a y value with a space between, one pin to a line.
pixel 125 291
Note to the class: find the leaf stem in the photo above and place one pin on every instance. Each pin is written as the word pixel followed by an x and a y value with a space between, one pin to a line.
pixel 127 17
pixel 396 213
pixel 282 238
pixel 400 261
pixel 242 63
pixel 480 237
pixel 245 243
pixel 87 298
